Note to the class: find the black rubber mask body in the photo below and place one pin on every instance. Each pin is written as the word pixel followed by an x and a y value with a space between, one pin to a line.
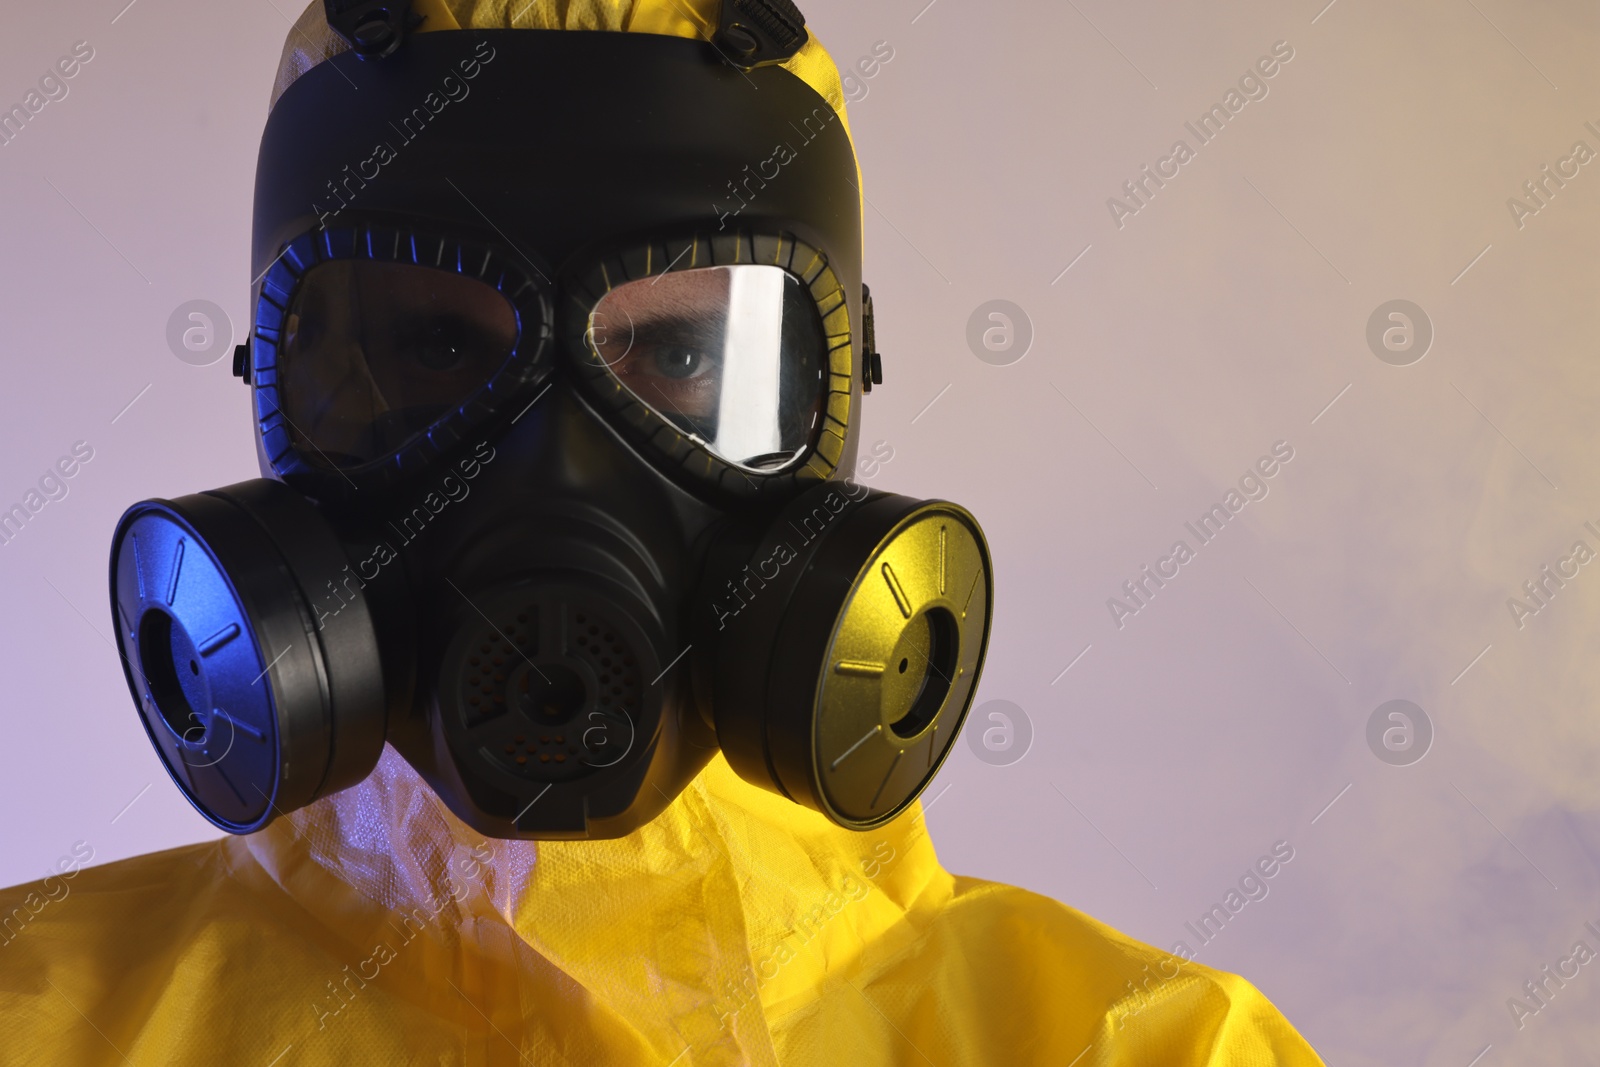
pixel 556 601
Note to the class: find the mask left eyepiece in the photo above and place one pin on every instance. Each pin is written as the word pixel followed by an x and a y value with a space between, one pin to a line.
pixel 257 703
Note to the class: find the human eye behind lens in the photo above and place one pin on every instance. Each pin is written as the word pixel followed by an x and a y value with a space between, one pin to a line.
pixel 676 369
pixel 672 350
pixel 442 344
pixel 679 362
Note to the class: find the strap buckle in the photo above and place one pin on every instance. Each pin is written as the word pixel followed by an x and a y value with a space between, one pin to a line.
pixel 758 33
pixel 372 28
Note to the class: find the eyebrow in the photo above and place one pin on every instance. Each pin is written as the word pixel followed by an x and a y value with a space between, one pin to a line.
pixel 660 320
pixel 668 328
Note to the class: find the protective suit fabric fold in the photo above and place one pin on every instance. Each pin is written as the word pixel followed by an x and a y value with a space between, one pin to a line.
pixel 736 928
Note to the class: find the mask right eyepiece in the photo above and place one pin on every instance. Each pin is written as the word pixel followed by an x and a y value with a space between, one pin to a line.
pixel 848 643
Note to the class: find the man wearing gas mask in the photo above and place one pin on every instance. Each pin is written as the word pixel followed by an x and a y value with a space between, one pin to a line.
pixel 568 699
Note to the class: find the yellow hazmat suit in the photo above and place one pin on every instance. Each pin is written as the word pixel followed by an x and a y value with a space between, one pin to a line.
pixel 374 927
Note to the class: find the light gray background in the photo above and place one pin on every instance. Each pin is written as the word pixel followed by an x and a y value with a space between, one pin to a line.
pixel 1231 712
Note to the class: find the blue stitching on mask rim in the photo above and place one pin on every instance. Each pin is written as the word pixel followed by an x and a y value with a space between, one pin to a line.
pixel 530 360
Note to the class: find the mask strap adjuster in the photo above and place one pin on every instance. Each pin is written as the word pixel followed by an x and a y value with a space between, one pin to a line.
pixel 757 33
pixel 871 360
pixel 373 29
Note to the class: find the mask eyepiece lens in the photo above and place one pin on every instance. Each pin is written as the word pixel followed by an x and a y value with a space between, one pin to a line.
pixel 731 356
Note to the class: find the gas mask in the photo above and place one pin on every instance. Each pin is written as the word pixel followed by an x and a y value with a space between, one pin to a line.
pixel 557 361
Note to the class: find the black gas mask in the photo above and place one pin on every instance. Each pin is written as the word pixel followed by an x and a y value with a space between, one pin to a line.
pixel 557 360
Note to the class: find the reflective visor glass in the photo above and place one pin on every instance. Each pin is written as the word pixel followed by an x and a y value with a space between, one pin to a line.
pixel 375 353
pixel 732 356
